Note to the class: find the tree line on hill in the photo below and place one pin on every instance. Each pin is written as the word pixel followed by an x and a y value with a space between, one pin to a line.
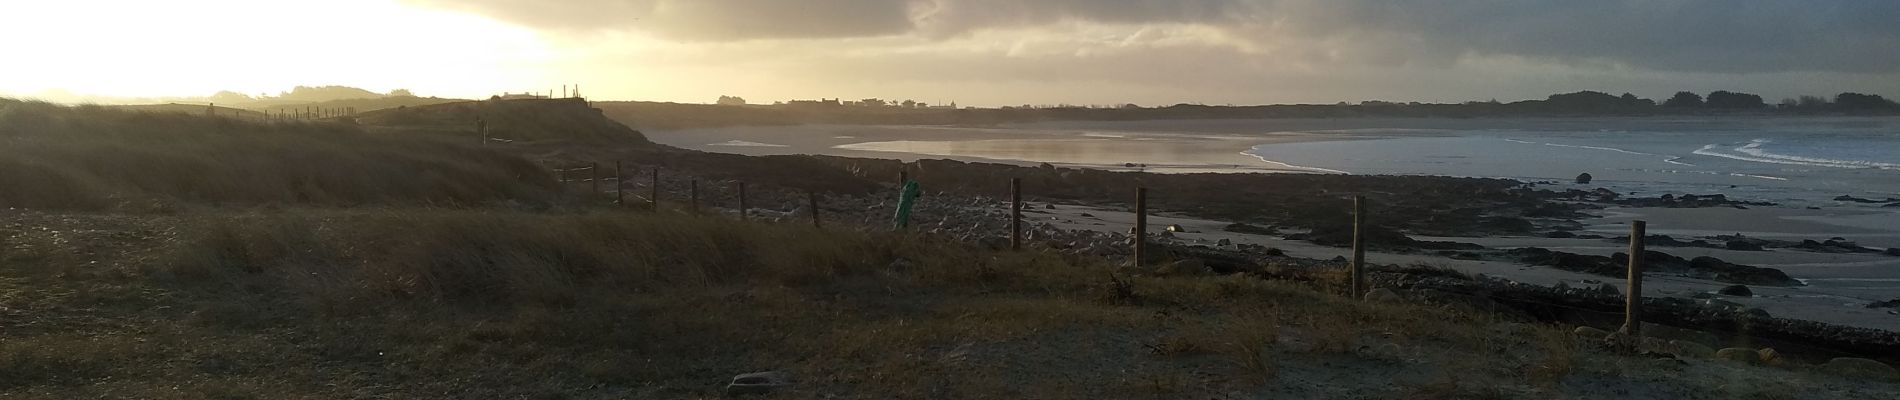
pixel 650 115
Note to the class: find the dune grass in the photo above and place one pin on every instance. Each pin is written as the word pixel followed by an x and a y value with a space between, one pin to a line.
pixel 97 158
pixel 434 303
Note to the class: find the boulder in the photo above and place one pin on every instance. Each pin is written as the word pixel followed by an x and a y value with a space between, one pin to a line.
pixel 1585 332
pixel 1608 289
pixel 1738 354
pixel 1860 368
pixel 1737 290
pixel 1769 356
pixel 1688 349
pixel 1584 178
pixel 1177 229
pixel 1384 295
pixel 758 383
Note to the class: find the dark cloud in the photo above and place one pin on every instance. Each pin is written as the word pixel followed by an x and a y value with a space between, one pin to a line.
pixel 1718 36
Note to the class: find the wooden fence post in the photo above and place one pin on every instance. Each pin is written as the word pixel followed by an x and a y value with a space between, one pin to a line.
pixel 593 179
pixel 620 185
pixel 1633 302
pixel 655 200
pixel 1141 225
pixel 692 194
pixel 1015 214
pixel 1358 271
pixel 743 214
pixel 815 221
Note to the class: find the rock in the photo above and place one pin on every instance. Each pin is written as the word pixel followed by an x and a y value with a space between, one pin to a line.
pixel 1688 349
pixel 1384 295
pixel 758 383
pixel 1608 289
pixel 1560 235
pixel 1584 178
pixel 1249 229
pixel 1087 215
pixel 1738 354
pixel 1224 243
pixel 1177 229
pixel 1049 207
pixel 1188 267
pixel 1895 303
pixel 1737 290
pixel 1860 368
pixel 1770 357
pixel 1893 251
pixel 1590 333
pixel 1743 245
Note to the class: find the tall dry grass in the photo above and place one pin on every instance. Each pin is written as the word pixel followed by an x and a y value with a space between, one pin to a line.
pixel 94 158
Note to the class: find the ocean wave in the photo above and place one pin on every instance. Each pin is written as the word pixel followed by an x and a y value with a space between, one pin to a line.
pixel 1251 152
pixel 1772 178
pixel 1753 152
pixel 1666 158
pixel 1601 148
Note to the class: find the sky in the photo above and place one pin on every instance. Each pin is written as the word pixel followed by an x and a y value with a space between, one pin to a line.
pixel 974 52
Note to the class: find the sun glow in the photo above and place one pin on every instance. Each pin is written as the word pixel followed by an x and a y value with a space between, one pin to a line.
pixel 196 47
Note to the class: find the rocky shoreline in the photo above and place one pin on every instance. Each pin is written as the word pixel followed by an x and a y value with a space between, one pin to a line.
pixel 964 202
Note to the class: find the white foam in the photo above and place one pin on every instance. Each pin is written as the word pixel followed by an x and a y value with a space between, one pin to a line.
pixel 1772 178
pixel 1250 152
pixel 1753 152
pixel 742 143
pixel 1601 148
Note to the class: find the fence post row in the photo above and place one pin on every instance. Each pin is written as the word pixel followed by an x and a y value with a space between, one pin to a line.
pixel 1633 302
pixel 1358 247
pixel 1141 225
pixel 1015 214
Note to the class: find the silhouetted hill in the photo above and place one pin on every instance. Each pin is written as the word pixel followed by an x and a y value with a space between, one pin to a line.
pixel 514 120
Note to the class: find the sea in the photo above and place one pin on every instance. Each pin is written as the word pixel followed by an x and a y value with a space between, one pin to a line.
pixel 1784 160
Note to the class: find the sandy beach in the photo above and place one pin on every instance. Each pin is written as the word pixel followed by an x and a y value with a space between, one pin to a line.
pixel 1196 148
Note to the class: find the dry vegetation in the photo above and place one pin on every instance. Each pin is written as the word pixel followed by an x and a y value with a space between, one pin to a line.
pixel 418 303
pixel 94 158
pixel 401 300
